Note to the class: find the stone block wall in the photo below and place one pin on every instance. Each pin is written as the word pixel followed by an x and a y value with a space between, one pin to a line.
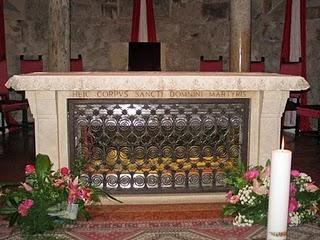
pixel 100 32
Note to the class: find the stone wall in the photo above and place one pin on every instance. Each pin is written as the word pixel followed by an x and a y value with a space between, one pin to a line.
pixel 100 31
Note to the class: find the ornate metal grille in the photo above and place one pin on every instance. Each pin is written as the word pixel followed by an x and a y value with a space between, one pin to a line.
pixel 161 145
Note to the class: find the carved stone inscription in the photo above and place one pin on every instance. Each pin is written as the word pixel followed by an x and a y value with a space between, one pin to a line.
pixel 159 94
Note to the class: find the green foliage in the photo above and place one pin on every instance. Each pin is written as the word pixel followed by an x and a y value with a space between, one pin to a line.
pixel 235 178
pixel 43 166
pixel 40 203
pixel 247 199
pixel 77 166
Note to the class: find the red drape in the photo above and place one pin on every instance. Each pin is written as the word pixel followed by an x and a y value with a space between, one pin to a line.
pixel 285 51
pixel 150 21
pixel 286 47
pixel 135 21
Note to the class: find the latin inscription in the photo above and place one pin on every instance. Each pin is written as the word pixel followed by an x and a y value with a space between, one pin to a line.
pixel 227 94
pixel 158 94
pixel 149 94
pixel 80 94
pixel 112 94
pixel 186 94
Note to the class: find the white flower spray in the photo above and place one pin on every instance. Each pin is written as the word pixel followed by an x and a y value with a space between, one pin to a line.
pixel 246 196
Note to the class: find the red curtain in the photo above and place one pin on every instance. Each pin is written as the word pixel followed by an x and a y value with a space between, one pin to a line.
pixel 285 52
pixel 150 21
pixel 286 47
pixel 135 21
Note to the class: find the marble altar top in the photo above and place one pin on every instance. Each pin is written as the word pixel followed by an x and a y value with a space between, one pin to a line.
pixel 156 81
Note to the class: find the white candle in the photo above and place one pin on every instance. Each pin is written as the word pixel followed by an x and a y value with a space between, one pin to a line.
pixel 279 194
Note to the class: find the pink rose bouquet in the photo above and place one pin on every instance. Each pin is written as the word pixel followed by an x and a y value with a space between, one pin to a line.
pixel 44 199
pixel 247 199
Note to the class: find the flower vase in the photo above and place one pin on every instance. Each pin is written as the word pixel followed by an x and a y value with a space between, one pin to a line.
pixel 72 211
pixel 66 211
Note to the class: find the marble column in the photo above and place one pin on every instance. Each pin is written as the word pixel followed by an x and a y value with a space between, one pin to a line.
pixel 59 36
pixel 240 35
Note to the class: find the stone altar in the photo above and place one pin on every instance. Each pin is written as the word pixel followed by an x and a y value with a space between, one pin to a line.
pixel 48 93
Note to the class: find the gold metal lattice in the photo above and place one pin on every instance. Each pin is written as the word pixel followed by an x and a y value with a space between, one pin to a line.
pixel 156 146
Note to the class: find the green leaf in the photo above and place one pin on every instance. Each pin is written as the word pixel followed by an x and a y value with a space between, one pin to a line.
pixel 43 165
pixel 268 163
pixel 13 201
pixel 240 182
pixel 7 210
pixel 13 219
pixel 242 167
pixel 229 210
pixel 85 214
pixel 113 198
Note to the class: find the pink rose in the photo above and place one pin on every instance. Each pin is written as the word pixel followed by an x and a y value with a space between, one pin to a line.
pixel 27 187
pixel 295 173
pixel 234 199
pixel 29 169
pixel 24 207
pixel 293 189
pixel 293 205
pixel 251 174
pixel 311 187
pixel 64 171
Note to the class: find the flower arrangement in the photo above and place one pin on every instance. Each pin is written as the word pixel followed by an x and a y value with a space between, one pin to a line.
pixel 47 198
pixel 248 197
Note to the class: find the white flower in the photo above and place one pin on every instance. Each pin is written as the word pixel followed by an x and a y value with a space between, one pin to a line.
pixel 305 177
pixel 246 196
pixel 295 219
pixel 242 221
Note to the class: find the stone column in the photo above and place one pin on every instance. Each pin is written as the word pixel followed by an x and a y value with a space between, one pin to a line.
pixel 240 35
pixel 59 36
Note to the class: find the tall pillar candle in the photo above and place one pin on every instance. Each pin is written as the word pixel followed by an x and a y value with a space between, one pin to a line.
pixel 279 194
